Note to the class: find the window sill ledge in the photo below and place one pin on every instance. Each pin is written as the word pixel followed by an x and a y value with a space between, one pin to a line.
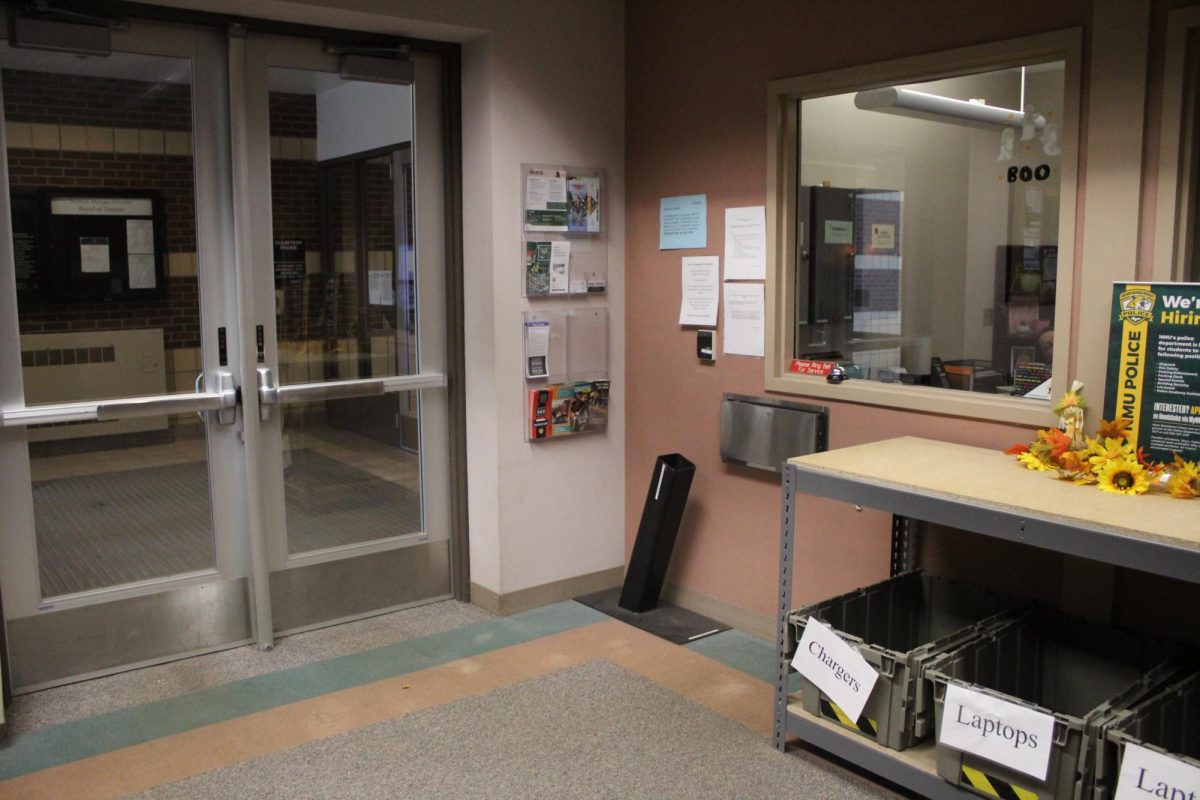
pixel 925 399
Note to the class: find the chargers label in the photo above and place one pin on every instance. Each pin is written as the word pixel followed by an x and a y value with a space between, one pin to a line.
pixel 835 667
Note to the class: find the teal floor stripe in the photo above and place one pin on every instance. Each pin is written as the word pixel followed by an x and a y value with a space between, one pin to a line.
pixel 744 652
pixel 71 741
pixel 741 651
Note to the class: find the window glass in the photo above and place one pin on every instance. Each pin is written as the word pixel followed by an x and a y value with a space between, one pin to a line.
pixel 927 231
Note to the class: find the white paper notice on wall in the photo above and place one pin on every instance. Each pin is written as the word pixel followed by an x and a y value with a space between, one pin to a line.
pixel 701 290
pixel 746 243
pixel 743 319
pixel 836 668
pixel 883 237
pixel 1146 773
pixel 1006 733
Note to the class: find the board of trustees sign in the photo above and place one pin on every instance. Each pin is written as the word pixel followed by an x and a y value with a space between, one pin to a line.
pixel 1154 367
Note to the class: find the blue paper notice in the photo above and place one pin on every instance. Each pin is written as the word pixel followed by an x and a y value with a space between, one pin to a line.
pixel 683 222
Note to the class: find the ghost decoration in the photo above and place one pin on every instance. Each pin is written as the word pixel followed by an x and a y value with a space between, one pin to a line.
pixel 1008 138
pixel 1050 145
pixel 1029 126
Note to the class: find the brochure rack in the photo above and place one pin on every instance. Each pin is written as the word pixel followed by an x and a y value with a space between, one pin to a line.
pixel 564 230
pixel 966 489
pixel 566 369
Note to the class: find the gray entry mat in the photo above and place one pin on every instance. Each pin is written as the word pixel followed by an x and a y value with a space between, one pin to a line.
pixel 121 527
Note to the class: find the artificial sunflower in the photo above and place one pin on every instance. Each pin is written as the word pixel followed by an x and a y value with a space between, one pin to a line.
pixel 1032 461
pixel 1123 476
pixel 1110 460
pixel 1185 479
pixel 1103 451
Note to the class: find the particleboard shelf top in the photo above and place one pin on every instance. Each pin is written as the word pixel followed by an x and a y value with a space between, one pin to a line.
pixel 988 479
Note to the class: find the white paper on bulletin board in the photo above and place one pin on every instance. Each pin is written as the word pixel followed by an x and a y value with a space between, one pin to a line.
pixel 141 271
pixel 93 254
pixel 139 236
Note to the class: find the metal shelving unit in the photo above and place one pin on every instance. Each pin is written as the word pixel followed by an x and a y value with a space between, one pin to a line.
pixel 969 489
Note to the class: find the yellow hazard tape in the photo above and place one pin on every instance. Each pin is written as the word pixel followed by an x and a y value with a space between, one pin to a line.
pixel 843 718
pixel 994 786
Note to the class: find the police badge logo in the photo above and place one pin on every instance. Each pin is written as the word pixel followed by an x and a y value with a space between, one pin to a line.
pixel 1137 306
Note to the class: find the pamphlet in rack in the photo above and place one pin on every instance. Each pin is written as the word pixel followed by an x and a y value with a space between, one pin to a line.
pixel 563 212
pixel 566 364
pixel 568 409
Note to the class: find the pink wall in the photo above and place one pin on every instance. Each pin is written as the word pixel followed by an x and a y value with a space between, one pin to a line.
pixel 696 89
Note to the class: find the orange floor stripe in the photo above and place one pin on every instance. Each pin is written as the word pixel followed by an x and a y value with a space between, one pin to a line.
pixel 727 691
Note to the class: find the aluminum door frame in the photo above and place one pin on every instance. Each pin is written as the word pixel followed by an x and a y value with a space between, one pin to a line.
pixel 70 638
pixel 310 590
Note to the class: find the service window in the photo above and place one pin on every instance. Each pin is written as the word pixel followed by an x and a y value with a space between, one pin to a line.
pixel 924 236
pixel 1177 230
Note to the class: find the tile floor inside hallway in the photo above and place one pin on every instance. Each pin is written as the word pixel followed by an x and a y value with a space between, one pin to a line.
pixel 437 701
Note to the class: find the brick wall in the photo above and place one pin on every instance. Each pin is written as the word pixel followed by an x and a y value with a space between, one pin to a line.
pixel 379 197
pixel 293 114
pixel 81 100
pixel 170 176
pixel 102 114
pixel 177 313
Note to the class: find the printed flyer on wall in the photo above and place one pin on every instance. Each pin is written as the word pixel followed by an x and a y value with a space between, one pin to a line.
pixel 558 201
pixel 545 200
pixel 583 205
pixel 568 409
pixel 1154 367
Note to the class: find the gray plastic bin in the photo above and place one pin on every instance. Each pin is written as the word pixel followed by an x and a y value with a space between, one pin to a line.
pixel 1167 721
pixel 897 625
pixel 1078 672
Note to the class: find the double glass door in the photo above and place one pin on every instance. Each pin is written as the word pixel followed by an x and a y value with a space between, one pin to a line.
pixel 222 346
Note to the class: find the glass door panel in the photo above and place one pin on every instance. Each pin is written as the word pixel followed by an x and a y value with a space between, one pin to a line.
pixel 353 414
pixel 101 172
pixel 115 552
pixel 344 307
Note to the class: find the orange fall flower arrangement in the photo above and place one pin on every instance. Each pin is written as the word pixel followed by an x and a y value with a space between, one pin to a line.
pixel 1107 460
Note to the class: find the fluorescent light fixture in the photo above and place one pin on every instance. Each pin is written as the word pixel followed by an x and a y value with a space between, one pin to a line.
pixel 910 103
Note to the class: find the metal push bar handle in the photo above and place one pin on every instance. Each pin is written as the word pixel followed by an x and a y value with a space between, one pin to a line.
pixel 271 394
pixel 223 401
